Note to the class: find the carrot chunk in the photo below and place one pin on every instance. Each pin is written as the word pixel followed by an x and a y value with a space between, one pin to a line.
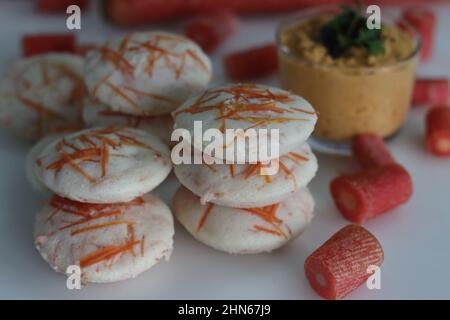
pixel 424 22
pixel 252 63
pixel 341 264
pixel 209 31
pixel 367 194
pixel 438 131
pixel 45 43
pixel 370 151
pixel 430 91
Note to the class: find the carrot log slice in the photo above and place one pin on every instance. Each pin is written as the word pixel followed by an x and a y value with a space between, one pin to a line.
pixel 370 151
pixel 367 194
pixel 438 131
pixel 424 22
pixel 34 44
pixel 341 264
pixel 209 31
pixel 252 63
pixel 429 91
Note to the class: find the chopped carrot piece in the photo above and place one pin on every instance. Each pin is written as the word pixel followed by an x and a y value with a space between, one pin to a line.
pixel 367 194
pixel 438 131
pixel 34 44
pixel 341 264
pixel 252 63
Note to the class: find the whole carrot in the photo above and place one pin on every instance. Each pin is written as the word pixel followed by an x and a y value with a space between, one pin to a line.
pixel 135 12
pixel 58 6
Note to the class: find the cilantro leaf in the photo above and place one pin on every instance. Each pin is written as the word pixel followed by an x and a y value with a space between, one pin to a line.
pixel 349 29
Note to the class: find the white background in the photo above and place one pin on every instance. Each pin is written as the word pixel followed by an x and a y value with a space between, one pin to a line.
pixel 415 237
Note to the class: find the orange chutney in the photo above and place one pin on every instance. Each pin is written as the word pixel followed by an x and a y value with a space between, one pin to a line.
pixel 355 93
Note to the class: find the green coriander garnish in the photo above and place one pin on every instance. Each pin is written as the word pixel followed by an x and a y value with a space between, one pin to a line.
pixel 349 29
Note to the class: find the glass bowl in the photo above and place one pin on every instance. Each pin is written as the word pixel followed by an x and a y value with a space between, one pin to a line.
pixel 350 100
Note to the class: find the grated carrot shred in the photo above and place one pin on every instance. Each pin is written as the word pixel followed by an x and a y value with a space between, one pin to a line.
pixel 95 148
pixel 100 226
pixel 106 253
pixel 204 217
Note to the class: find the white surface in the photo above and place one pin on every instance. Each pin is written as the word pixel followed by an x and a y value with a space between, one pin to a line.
pixel 415 238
